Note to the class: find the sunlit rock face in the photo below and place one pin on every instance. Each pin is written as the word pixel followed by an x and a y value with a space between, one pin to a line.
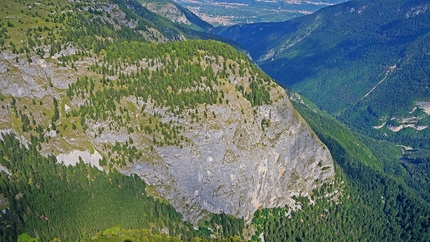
pixel 240 161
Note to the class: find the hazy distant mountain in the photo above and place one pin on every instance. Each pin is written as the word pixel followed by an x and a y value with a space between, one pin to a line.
pixel 222 12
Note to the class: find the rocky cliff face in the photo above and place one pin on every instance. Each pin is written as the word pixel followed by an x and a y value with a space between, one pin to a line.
pixel 168 10
pixel 221 137
pixel 241 158
pixel 235 166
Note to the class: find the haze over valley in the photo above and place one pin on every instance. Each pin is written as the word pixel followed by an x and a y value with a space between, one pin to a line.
pixel 221 12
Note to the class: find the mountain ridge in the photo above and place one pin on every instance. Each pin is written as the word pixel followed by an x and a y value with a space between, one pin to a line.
pixel 161 110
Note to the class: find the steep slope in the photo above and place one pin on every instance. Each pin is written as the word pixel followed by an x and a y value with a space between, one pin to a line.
pixel 195 119
pixel 377 204
pixel 363 61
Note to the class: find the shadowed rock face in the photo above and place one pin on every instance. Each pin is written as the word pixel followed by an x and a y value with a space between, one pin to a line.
pixel 235 166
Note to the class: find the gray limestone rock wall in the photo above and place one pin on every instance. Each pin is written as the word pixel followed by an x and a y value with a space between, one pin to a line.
pixel 234 166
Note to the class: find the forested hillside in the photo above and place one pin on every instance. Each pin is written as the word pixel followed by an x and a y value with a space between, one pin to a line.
pixel 378 204
pixel 96 90
pixel 362 61
pixel 49 200
pixel 118 124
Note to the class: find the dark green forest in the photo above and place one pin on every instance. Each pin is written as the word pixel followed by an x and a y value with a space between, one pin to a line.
pixel 378 203
pixel 48 200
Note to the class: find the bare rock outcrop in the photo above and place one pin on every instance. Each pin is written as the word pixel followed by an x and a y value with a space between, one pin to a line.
pixel 236 164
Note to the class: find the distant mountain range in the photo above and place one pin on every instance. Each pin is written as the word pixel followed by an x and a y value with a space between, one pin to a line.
pixel 221 12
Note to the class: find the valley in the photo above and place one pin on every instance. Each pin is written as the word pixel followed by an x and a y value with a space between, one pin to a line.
pixel 241 12
pixel 363 73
